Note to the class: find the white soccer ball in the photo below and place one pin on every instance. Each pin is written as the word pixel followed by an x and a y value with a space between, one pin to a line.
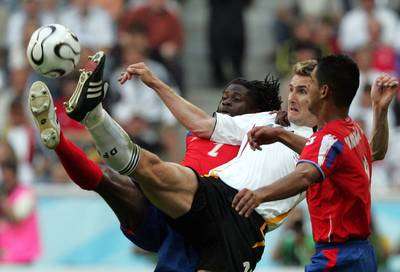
pixel 53 51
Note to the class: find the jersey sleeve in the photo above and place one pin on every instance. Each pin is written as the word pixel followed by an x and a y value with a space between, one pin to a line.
pixel 232 130
pixel 322 151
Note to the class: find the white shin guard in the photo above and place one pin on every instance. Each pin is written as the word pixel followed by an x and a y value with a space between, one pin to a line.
pixel 113 143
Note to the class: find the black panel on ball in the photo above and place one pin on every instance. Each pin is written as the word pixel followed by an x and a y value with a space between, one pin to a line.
pixel 41 59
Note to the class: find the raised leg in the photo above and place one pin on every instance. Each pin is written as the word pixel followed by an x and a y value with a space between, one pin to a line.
pixel 121 194
pixel 169 186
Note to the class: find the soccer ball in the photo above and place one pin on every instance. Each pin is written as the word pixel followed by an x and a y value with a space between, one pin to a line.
pixel 53 50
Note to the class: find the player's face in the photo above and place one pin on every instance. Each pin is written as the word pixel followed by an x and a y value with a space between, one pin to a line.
pixel 236 101
pixel 314 94
pixel 298 102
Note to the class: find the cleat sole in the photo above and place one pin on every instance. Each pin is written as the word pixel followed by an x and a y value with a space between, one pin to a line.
pixel 40 103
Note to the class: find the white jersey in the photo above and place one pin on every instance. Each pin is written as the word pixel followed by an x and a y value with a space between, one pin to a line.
pixel 256 169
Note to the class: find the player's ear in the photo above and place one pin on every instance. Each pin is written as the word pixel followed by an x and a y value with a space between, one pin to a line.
pixel 324 91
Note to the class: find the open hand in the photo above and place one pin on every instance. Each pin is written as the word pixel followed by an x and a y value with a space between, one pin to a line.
pixel 245 201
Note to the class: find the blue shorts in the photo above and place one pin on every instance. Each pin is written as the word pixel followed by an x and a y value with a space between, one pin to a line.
pixel 358 255
pixel 155 235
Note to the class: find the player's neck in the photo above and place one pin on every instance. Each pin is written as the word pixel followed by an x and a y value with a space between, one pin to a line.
pixel 329 113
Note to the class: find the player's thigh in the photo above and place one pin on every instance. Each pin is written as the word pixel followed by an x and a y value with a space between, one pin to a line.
pixel 169 186
pixel 151 232
pixel 124 197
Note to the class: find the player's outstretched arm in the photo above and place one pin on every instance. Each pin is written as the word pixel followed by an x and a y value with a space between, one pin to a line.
pixel 296 182
pixel 382 93
pixel 267 135
pixel 189 115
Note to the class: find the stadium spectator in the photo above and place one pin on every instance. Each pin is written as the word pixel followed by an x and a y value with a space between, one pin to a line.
pixel 113 7
pixel 86 19
pixel 282 26
pixel 4 14
pixel 227 38
pixel 299 47
pixel 49 11
pixel 296 246
pixel 383 55
pixel 321 8
pixel 14 32
pixel 353 30
pixel 14 89
pixel 138 109
pixel 164 31
pixel 19 133
pixel 325 36
pixel 19 230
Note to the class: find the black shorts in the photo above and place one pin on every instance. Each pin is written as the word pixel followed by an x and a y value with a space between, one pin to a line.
pixel 224 240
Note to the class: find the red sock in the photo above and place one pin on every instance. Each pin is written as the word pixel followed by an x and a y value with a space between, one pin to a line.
pixel 80 169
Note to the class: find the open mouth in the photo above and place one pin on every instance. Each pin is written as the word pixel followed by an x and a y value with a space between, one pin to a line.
pixel 295 109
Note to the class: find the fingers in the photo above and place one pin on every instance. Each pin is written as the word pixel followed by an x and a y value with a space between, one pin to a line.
pixel 124 77
pixel 237 197
pixel 137 69
pixel 244 202
pixel 381 80
pixel 386 81
pixel 252 139
pixel 250 210
pixel 139 65
pixel 241 199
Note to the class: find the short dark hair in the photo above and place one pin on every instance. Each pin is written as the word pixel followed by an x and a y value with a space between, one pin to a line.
pixel 341 74
pixel 264 94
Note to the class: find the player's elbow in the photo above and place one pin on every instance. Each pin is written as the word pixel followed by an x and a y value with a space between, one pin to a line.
pixel 378 156
pixel 306 178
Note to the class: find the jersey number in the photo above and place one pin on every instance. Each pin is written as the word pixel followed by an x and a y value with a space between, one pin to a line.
pixel 246 266
pixel 214 152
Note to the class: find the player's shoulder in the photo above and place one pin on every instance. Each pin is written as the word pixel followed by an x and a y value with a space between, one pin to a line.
pixel 265 116
pixel 300 130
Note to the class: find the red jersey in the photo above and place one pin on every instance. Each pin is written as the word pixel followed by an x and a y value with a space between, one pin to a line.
pixel 340 204
pixel 203 155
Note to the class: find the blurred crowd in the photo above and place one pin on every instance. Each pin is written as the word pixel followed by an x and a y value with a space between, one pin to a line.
pixel 129 32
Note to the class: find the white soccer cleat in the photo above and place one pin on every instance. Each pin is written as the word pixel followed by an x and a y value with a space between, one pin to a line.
pixel 42 108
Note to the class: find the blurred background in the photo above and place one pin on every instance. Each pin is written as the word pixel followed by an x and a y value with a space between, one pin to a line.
pixel 197 46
